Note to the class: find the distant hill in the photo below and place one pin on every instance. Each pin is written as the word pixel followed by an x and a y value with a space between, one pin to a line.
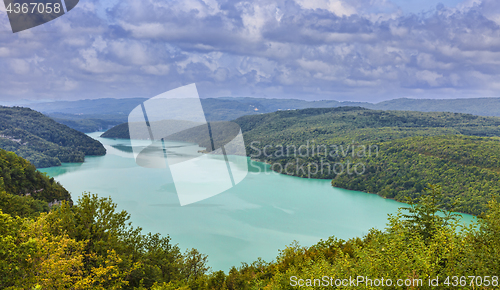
pixel 43 141
pixel 272 105
pixel 475 106
pixel 87 124
pixel 102 114
pixel 89 115
pixel 104 106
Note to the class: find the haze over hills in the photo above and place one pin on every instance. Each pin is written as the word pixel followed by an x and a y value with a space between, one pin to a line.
pixel 102 114
pixel 476 106
pixel 43 141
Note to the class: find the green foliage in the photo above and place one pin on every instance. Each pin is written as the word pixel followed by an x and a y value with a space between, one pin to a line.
pixel 88 245
pixel 337 126
pixel 140 260
pixel 23 206
pixel 88 125
pixel 24 187
pixel 43 141
pixel 423 217
pixel 91 245
pixel 15 251
pixel 466 168
pixel 119 131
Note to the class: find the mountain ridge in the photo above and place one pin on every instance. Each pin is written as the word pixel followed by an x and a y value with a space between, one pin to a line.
pixel 92 115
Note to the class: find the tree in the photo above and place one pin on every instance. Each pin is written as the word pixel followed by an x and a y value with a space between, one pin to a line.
pixel 424 216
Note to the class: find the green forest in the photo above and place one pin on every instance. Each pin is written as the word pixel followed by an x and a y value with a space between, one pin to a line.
pixel 92 245
pixel 43 141
pixel 395 153
pixel 467 168
pixel 19 178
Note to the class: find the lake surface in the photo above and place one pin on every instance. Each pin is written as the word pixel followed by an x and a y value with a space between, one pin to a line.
pixel 257 217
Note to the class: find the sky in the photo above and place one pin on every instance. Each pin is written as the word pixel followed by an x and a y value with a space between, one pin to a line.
pixel 356 50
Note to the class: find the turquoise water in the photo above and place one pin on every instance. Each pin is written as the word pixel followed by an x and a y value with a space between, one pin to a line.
pixel 257 217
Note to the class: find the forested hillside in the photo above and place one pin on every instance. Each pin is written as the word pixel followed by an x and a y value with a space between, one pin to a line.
pixel 25 191
pixel 43 141
pixel 345 124
pixel 467 168
pixel 342 125
pixel 390 153
pixel 86 245
pixel 91 245
pixel 119 131
pixel 351 125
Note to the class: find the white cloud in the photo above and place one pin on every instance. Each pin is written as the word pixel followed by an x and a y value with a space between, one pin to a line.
pixel 221 74
pixel 432 78
pixel 20 66
pixel 159 69
pixel 131 52
pixel 339 8
pixel 4 52
pixel 362 48
pixel 68 85
pixel 90 62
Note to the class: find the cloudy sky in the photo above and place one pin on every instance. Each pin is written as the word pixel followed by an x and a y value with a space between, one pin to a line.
pixel 359 50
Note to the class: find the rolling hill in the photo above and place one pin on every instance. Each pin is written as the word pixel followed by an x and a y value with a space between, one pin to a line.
pixel 102 114
pixel 24 191
pixel 43 141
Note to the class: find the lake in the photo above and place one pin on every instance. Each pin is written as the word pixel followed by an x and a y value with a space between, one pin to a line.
pixel 257 217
